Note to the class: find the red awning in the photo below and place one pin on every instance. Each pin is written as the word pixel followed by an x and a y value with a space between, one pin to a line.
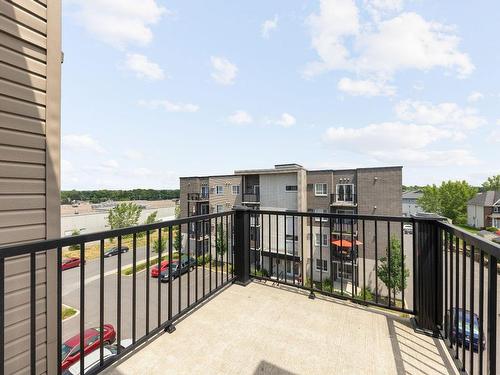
pixel 345 243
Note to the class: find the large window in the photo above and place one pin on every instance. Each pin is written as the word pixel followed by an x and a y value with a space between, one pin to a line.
pixel 235 189
pixel 320 190
pixel 204 191
pixel 291 188
pixel 321 265
pixel 345 192
pixel 220 208
pixel 219 190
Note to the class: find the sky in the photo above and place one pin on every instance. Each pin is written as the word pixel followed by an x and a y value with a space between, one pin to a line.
pixel 157 89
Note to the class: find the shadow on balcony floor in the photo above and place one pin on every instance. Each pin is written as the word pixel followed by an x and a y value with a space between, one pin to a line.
pixel 261 329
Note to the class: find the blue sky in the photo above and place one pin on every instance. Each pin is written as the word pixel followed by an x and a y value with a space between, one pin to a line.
pixel 157 89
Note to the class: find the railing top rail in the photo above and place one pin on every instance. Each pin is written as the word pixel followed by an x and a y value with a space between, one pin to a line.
pixel 27 248
pixel 405 219
pixel 488 247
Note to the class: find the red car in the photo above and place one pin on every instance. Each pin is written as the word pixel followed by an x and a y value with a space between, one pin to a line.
pixel 68 263
pixel 70 349
pixel 163 267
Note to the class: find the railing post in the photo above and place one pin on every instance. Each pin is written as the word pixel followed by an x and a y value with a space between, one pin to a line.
pixel 242 245
pixel 491 334
pixel 428 278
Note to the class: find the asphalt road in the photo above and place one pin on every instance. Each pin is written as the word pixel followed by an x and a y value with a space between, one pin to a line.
pixel 71 296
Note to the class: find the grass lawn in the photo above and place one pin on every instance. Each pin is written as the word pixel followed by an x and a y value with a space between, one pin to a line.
pixel 67 312
pixel 468 228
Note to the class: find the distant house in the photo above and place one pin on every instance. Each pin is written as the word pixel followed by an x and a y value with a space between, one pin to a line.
pixel 410 202
pixel 484 210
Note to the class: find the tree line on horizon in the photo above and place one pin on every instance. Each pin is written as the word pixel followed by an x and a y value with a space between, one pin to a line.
pixel 98 196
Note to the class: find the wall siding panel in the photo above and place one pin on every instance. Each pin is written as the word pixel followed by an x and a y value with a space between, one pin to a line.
pixel 30 58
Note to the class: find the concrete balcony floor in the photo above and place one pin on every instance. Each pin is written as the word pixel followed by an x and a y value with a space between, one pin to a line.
pixel 263 329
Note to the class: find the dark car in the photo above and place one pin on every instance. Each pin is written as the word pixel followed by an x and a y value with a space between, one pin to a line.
pixel 70 349
pixel 178 268
pixel 114 251
pixel 458 336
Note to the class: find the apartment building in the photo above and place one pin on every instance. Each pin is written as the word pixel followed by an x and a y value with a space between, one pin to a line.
pixel 279 242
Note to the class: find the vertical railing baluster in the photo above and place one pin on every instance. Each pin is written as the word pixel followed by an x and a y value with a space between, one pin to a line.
pixel 464 306
pixel 59 311
pixel 389 262
pixel 203 245
pixel 170 259
pixel 210 257
pixel 227 248
pixel 457 289
pixel 261 239
pixel 481 310
pixel 492 315
pixel 414 263
pixel 82 306
pixel 277 249
pixel 402 267
pixel 341 256
pixel 321 252
pixel 471 307
pixel 270 245
pixel 330 248
pixel 452 305
pixel 376 261
pixel 293 248
pixel 445 250
pixel 178 241
pixel 311 261
pixel 353 280
pixel 364 263
pixel 285 254
pixel 2 317
pixel 32 313
pixel 134 286
pixel 302 276
pixel 216 254
pixel 147 280
pixel 158 282
pixel 197 248
pixel 101 302
pixel 188 245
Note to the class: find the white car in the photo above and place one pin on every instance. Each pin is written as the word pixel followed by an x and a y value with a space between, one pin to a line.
pixel 407 228
pixel 92 360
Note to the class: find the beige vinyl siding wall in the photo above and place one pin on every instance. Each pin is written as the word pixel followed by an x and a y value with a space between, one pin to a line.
pixel 29 168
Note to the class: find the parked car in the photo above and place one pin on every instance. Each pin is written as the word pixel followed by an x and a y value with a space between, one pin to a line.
pixel 178 268
pixel 163 266
pixel 70 349
pixel 68 263
pixel 458 336
pixel 407 228
pixel 114 251
pixel 92 360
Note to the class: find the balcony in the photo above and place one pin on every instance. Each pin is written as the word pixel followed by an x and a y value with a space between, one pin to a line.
pixel 347 199
pixel 198 197
pixel 393 313
pixel 250 197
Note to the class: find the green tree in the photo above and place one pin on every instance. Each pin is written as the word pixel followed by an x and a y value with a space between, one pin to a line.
pixel 177 240
pixel 449 200
pixel 124 215
pixel 492 183
pixel 390 271
pixel 157 245
pixel 177 211
pixel 152 218
pixel 221 243
pixel 75 232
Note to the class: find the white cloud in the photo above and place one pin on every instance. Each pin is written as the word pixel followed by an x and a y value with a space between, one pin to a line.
pixel 170 106
pixel 449 115
pixel 111 164
pixel 286 120
pixel 224 72
pixel 240 117
pixel 134 155
pixel 381 8
pixel 475 96
pixel 81 142
pixel 120 22
pixel 396 142
pixel 495 136
pixel 365 87
pixel 268 26
pixel 381 48
pixel 143 67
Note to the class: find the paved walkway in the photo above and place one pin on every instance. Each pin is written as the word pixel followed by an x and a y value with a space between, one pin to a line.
pixel 261 329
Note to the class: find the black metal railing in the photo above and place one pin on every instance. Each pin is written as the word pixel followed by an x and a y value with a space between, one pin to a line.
pixel 445 277
pixel 198 196
pixel 329 258
pixel 117 302
pixel 468 297
pixel 346 199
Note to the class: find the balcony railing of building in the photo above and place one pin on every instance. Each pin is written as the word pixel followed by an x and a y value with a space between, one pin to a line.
pixel 444 277
pixel 345 199
pixel 250 197
pixel 198 196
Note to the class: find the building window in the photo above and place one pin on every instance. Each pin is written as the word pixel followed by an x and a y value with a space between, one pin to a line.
pixel 235 189
pixel 317 239
pixel 320 211
pixel 291 188
pixel 321 265
pixel 220 208
pixel 320 190
pixel 204 191
pixel 345 192
pixel 219 189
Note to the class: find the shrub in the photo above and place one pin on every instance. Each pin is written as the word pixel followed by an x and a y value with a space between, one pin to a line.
pixel 365 294
pixel 202 261
pixel 492 229
pixel 262 273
